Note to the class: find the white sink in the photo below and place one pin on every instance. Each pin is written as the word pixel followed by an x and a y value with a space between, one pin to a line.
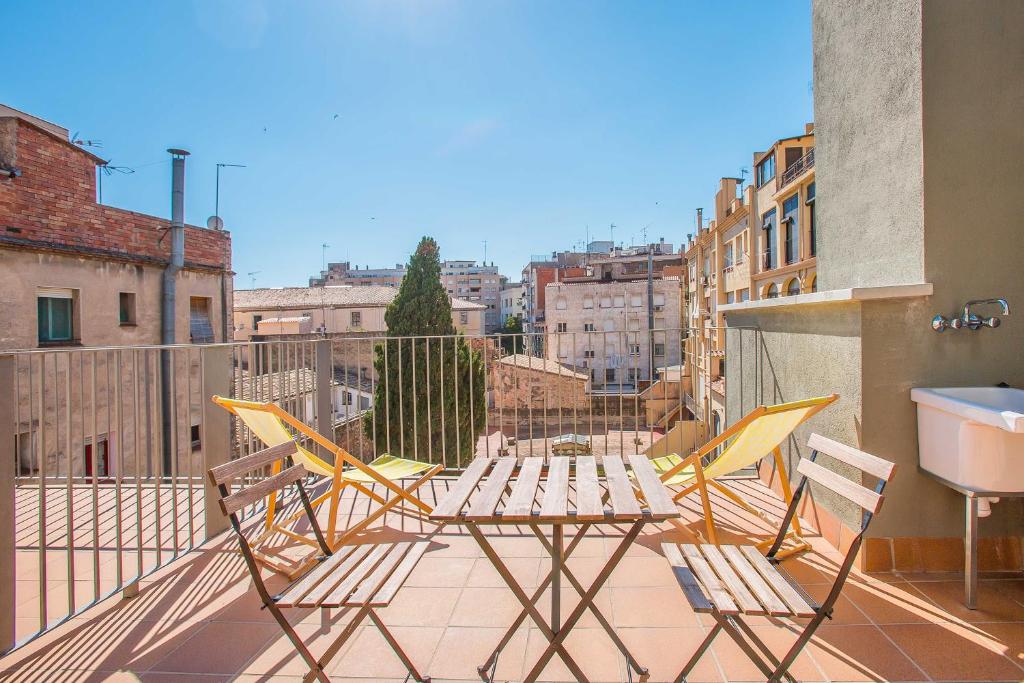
pixel 972 436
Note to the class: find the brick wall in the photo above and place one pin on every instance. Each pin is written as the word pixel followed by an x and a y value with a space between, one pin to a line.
pixel 53 205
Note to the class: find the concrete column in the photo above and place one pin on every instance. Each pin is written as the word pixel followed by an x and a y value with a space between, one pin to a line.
pixel 8 398
pixel 216 429
pixel 324 375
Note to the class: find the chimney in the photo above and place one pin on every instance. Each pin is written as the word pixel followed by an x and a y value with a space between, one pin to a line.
pixel 700 220
pixel 177 234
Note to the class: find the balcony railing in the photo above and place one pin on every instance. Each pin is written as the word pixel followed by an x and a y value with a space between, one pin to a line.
pixel 111 444
pixel 795 169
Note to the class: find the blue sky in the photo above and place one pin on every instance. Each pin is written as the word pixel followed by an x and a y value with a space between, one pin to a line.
pixel 368 124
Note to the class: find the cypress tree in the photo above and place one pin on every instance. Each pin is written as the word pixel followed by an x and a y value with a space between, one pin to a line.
pixel 429 402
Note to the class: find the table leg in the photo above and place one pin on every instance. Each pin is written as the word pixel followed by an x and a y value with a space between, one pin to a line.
pixel 555 644
pixel 557 558
pixel 971 553
pixel 524 599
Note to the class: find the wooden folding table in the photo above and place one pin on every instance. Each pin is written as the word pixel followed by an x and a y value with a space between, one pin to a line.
pixel 576 490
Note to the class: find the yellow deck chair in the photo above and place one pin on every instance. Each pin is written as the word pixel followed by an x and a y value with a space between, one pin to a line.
pixel 758 434
pixel 269 423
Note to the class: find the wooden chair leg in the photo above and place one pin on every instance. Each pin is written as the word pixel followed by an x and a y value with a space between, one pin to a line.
pixel 705 502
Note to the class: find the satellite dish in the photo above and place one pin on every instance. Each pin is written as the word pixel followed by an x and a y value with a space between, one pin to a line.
pixel 215 223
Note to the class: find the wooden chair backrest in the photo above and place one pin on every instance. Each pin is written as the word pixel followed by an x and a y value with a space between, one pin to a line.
pixel 222 476
pixel 867 499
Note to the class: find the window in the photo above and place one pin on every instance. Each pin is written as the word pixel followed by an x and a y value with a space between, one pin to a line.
pixel 126 308
pixel 632 374
pixel 634 349
pixel 463 318
pixel 346 398
pixel 608 325
pixel 793 288
pixel 810 218
pixel 791 217
pixel 561 327
pixel 659 350
pixel 256 322
pixel 635 301
pixel 727 258
pixel 659 300
pixel 588 353
pixel 772 292
pixel 768 227
pixel 98 461
pixel 633 324
pixel 619 302
pixel 199 326
pixel 588 327
pixel 609 375
pixel 814 283
pixel 606 302
pixel 730 297
pixel 588 302
pixel 195 435
pixel 355 319
pixel 56 315
pixel 744 295
pixel 766 169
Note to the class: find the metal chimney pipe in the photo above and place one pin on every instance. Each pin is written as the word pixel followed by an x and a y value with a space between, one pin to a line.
pixel 169 286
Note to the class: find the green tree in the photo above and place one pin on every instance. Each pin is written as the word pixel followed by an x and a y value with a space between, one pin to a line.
pixel 429 402
pixel 513 326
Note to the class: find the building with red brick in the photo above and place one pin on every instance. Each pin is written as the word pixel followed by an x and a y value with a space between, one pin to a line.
pixel 76 272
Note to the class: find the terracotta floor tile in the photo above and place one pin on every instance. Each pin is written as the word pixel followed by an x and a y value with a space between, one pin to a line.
pixel 591 650
pixel 994 604
pixel 280 658
pixel 1011 638
pixel 416 606
pixel 860 653
pixel 441 570
pixel 949 652
pixel 207 650
pixel 493 607
pixel 461 650
pixel 569 600
pixel 524 570
pixel 642 571
pixel 371 656
pixel 892 603
pixel 738 667
pixel 662 606
pixel 664 651
pixel 844 611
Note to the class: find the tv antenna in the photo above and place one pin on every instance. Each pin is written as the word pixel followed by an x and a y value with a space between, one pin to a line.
pixel 252 278
pixel 95 144
pixel 214 222
pixel 107 169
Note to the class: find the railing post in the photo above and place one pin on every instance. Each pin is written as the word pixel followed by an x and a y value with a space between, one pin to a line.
pixel 216 430
pixel 8 398
pixel 324 375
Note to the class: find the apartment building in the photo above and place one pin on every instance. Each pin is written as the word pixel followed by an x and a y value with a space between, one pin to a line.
pixel 513 302
pixel 479 284
pixel 619 332
pixel 331 310
pixel 74 272
pixel 344 273
pixel 718 272
pixel 783 209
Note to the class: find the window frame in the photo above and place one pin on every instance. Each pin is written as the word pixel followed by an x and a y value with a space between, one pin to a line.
pixel 760 176
pixel 51 295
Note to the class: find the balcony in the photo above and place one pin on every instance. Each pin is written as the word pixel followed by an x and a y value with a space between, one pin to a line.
pixel 149 531
pixel 795 170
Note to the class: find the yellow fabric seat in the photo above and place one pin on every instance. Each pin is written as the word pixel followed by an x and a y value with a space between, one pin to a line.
pixel 274 426
pixel 756 435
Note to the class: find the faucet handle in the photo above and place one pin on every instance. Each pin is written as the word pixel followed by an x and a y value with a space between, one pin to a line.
pixel 991 322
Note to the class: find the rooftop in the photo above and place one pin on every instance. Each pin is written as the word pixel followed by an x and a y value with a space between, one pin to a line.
pixel 528 362
pixel 335 296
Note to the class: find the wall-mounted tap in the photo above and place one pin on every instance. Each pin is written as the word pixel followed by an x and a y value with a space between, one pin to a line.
pixel 973 322
pixel 968 319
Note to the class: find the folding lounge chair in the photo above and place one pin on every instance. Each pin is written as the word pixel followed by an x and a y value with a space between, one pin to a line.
pixel 730 582
pixel 270 423
pixel 361 577
pixel 753 437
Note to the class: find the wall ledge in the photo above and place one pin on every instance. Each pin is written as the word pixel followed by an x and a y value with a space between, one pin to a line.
pixel 833 296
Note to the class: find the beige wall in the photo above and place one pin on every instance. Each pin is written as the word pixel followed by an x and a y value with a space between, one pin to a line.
pixel 338 320
pixel 98 284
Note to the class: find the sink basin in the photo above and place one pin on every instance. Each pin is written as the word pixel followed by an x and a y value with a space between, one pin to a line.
pixel 972 437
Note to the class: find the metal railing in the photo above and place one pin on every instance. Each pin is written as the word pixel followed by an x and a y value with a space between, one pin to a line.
pixel 795 169
pixel 106 479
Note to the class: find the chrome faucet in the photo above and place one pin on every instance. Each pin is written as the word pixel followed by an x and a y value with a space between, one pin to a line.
pixel 973 322
pixel 968 319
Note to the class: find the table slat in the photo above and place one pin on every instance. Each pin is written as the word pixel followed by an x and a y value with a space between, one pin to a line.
pixel 520 502
pixel 659 502
pixel 486 502
pixel 623 499
pixel 687 581
pixel 449 507
pixel 555 505
pixel 589 507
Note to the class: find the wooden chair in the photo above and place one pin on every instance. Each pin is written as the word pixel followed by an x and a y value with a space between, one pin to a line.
pixel 730 582
pixel 362 577
pixel 756 435
pixel 273 425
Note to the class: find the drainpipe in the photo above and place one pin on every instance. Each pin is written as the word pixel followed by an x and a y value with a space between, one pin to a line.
pixel 650 313
pixel 169 297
